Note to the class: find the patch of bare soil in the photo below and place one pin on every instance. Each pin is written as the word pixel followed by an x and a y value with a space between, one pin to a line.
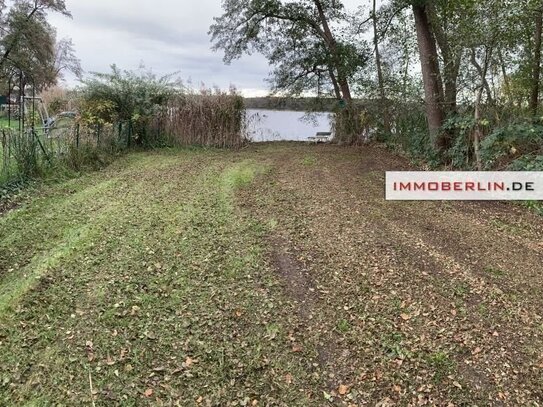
pixel 423 303
pixel 297 282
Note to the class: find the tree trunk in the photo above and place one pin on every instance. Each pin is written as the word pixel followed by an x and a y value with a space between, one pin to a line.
pixel 431 78
pixel 534 100
pixel 477 132
pixel 451 61
pixel 482 73
pixel 345 89
pixel 333 78
pixel 380 77
pixel 331 43
pixel 506 80
pixel 450 72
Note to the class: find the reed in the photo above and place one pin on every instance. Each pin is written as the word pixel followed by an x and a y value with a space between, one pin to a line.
pixel 209 118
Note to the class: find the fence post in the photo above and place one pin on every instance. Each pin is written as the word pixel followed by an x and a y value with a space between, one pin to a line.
pixel 77 135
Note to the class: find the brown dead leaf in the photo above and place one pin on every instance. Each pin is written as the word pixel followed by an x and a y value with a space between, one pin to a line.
pixel 296 348
pixel 343 390
pixel 405 317
pixel 148 393
pixel 288 378
pixel 188 362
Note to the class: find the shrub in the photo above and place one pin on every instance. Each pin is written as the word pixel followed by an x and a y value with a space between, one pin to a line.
pixel 527 163
pixel 508 144
pixel 125 96
pixel 460 128
pixel 352 125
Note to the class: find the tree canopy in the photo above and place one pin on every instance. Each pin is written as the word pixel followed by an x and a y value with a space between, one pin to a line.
pixel 307 42
pixel 29 44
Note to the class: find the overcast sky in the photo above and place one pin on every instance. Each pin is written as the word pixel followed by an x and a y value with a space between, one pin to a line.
pixel 166 35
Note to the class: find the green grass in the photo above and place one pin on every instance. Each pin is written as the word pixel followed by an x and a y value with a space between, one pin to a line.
pixel 5 123
pixel 309 161
pixel 145 278
pixel 494 271
pixel 441 364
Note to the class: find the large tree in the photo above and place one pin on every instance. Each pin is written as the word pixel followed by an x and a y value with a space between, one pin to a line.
pixel 28 42
pixel 433 86
pixel 31 10
pixel 298 39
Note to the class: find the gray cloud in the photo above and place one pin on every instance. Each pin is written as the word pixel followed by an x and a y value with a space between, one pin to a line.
pixel 166 35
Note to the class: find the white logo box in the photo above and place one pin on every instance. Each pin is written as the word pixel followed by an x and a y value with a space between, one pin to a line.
pixel 464 186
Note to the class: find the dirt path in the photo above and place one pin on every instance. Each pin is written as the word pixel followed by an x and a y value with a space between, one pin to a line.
pixel 272 276
pixel 429 303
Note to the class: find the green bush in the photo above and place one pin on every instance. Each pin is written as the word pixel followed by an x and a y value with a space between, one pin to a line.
pixel 125 96
pixel 511 143
pixel 527 163
pixel 352 124
pixel 460 128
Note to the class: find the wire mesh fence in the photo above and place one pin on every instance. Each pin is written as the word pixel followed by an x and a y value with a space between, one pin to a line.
pixel 204 120
pixel 27 153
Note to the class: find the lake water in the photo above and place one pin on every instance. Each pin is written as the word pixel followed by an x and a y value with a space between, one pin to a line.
pixel 281 125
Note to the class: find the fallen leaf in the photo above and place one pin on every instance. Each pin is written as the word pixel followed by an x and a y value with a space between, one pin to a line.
pixel 188 362
pixel 343 390
pixel 327 396
pixel 148 393
pixel 405 317
pixel 296 348
pixel 288 378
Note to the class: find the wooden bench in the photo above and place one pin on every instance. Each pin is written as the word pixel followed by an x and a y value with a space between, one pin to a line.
pixel 321 137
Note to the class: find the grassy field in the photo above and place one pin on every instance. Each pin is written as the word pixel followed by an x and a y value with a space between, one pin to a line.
pixel 275 275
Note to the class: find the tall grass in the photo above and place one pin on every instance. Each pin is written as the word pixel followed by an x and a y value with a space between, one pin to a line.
pixel 212 119
pixel 31 154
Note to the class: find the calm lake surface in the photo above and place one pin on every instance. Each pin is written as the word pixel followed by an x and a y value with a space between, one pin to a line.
pixel 284 125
